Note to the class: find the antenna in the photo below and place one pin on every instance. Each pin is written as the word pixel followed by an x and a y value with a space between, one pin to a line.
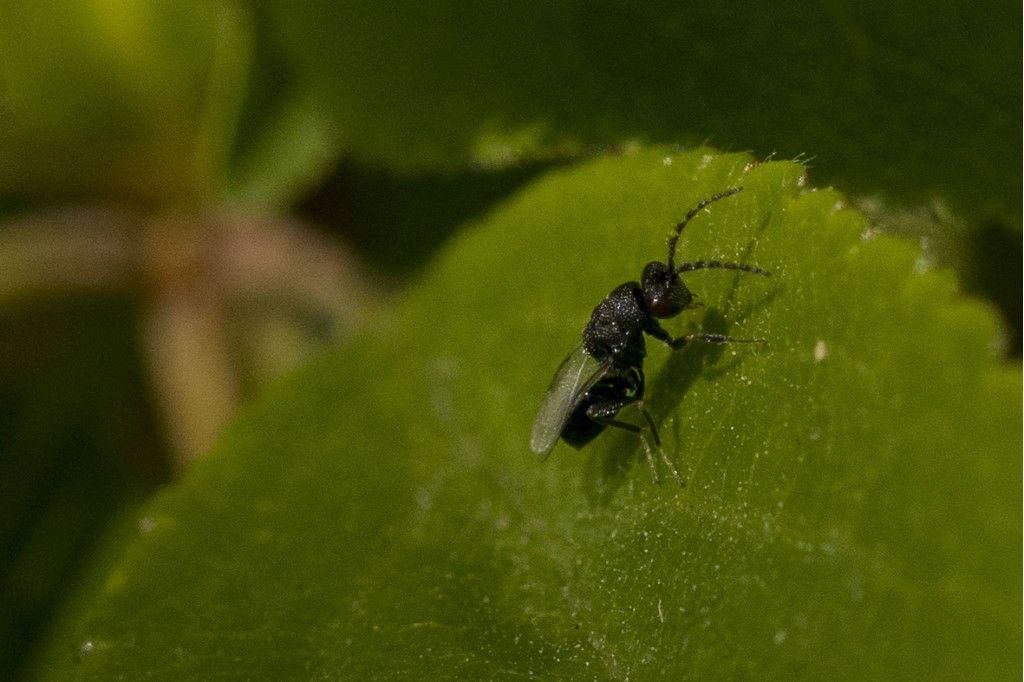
pixel 674 239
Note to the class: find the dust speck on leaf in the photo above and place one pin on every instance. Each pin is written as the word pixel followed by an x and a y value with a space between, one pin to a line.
pixel 820 350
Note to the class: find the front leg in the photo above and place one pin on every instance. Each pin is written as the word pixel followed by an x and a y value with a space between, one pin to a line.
pixel 658 332
pixel 681 341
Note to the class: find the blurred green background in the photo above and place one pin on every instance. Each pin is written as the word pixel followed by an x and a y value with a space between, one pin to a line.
pixel 196 197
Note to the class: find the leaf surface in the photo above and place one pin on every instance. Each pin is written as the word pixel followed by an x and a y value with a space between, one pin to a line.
pixel 853 496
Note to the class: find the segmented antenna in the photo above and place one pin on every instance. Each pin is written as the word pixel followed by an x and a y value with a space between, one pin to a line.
pixel 674 239
pixel 709 264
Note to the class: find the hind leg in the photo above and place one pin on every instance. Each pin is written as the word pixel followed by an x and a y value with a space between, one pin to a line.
pixel 657 441
pixel 604 413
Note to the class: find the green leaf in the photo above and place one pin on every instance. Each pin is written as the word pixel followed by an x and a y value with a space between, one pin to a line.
pixel 132 100
pixel 286 155
pixel 908 100
pixel 853 498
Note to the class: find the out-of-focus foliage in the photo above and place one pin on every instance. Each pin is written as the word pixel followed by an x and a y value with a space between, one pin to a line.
pixel 165 100
pixel 119 98
pixel 910 101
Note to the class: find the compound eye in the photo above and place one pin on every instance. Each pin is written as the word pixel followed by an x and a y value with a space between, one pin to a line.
pixel 662 308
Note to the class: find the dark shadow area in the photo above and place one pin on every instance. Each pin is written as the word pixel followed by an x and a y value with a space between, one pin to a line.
pixel 993 271
pixel 78 446
pixel 397 222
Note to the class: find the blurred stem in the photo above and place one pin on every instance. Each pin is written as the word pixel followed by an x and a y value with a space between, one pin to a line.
pixel 62 249
pixel 194 273
pixel 184 335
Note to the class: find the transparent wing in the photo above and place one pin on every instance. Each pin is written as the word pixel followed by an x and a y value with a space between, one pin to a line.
pixel 576 375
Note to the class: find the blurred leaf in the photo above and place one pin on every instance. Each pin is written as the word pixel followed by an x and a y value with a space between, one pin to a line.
pixel 854 486
pixel 286 139
pixel 130 99
pixel 911 101
pixel 289 154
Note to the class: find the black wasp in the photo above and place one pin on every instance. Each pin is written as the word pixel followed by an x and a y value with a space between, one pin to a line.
pixel 604 373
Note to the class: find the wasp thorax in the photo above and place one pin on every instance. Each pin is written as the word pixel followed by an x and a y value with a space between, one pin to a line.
pixel 664 293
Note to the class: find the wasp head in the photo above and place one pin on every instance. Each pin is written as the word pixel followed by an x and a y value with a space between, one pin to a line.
pixel 664 292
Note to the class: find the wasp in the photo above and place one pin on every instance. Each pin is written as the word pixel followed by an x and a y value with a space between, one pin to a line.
pixel 605 372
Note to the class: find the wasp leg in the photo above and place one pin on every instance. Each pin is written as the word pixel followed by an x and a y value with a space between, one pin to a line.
pixel 658 332
pixel 604 413
pixel 657 441
pixel 709 338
